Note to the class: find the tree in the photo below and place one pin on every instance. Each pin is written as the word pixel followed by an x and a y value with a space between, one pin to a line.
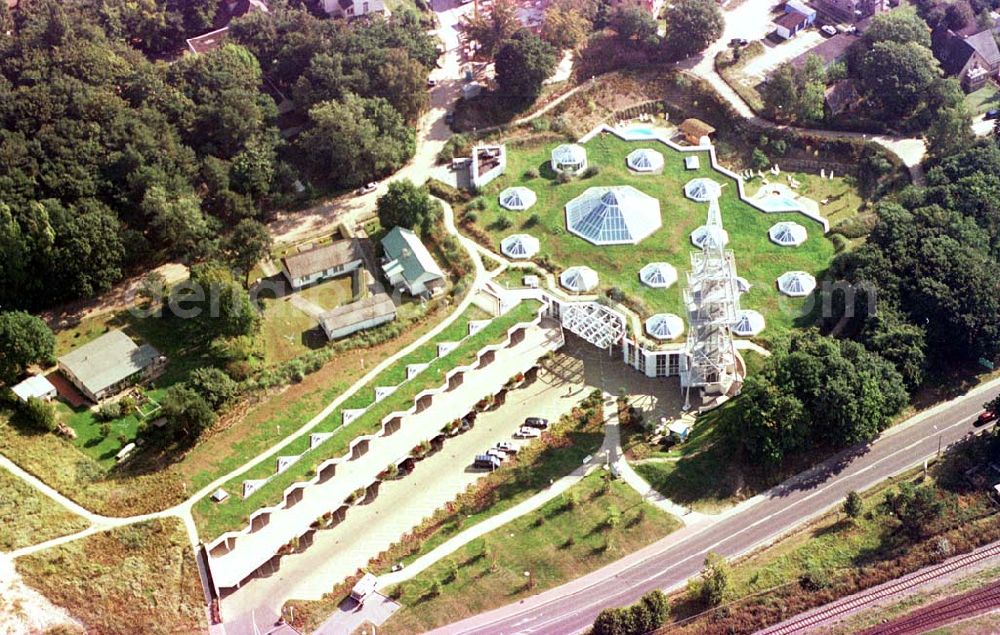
pixel 634 25
pixel 402 81
pixel 853 506
pixel 215 386
pixel 691 26
pixel 39 414
pixel 901 26
pixel 406 205
pixel 178 221
pixel 188 414
pixel 714 579
pixel 24 340
pixel 220 306
pixel 915 507
pixel 899 76
pixel 522 64
pixel 645 616
pixel 354 141
pixel 797 94
pixel 490 29
pixel 248 243
pixel 565 26
pixel 958 15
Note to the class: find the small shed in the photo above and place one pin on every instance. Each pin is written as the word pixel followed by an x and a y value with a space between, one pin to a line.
pixel 691 163
pixel 788 25
pixel 797 6
pixel 696 132
pixel 36 386
pixel 220 495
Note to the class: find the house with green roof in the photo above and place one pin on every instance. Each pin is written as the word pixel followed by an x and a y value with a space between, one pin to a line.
pixel 409 266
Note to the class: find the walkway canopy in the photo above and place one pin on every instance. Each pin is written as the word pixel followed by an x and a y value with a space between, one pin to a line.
pixel 519 246
pixel 665 326
pixel 748 323
pixel 796 283
pixel 658 275
pixel 644 160
pixel 569 158
pixel 742 284
pixel 517 198
pixel 579 279
pixel 710 237
pixel 787 234
pixel 613 215
pixel 702 190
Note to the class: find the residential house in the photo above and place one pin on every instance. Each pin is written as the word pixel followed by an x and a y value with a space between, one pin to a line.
pixel 841 96
pixel 829 51
pixel 852 10
pixel 357 316
pixel 788 25
pixel 104 367
pixel 320 263
pixel 973 59
pixel 228 9
pixel 408 264
pixel 348 9
pixel 695 131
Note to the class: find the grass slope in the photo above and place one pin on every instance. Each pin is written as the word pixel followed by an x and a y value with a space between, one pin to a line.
pixel 213 519
pixel 28 517
pixel 140 578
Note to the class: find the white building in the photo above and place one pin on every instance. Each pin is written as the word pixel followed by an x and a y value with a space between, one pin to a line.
pixel 613 215
pixel 357 316
pixel 353 8
pixel 569 158
pixel 36 386
pixel 486 164
pixel 320 263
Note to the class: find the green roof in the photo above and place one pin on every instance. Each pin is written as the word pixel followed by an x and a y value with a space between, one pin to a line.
pixel 410 255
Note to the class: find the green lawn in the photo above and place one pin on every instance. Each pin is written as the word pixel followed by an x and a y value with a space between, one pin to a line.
pixel 331 293
pixel 287 332
pixel 28 517
pixel 983 99
pixel 214 519
pixel 555 544
pixel 758 260
pixel 89 437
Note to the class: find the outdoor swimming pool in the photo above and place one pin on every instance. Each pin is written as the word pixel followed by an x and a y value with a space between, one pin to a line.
pixel 779 203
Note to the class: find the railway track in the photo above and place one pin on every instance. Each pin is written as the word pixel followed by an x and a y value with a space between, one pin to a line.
pixel 944 612
pixel 845 606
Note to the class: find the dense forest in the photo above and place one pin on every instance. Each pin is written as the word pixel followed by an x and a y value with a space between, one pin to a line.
pixel 120 151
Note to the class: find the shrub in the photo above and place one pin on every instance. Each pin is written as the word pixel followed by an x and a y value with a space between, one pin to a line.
pixel 446 192
pixel 502 223
pixel 592 170
pixel 531 221
pixel 531 173
pixel 215 386
pixel 540 124
pixel 39 414
pixel 564 177
pixel 853 505
pixel 108 411
pixel 759 160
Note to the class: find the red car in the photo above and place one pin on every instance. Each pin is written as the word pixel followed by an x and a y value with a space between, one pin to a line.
pixel 985 417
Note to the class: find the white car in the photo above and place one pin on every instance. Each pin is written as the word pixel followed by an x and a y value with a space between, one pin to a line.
pixel 506 446
pixel 366 189
pixel 501 456
pixel 828 30
pixel 529 433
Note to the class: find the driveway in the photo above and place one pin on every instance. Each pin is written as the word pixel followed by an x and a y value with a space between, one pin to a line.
pixel 777 54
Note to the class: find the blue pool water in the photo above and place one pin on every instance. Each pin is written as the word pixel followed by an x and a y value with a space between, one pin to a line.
pixel 642 131
pixel 781 203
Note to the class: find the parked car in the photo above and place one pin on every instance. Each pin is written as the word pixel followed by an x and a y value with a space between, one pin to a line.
pixel 992 114
pixel 431 83
pixel 486 462
pixel 738 42
pixel 497 454
pixel 506 446
pixel 449 118
pixel 529 433
pixel 828 30
pixel 366 189
pixel 536 422
pixel 985 417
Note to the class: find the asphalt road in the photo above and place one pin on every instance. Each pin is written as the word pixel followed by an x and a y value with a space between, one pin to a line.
pixel 670 562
